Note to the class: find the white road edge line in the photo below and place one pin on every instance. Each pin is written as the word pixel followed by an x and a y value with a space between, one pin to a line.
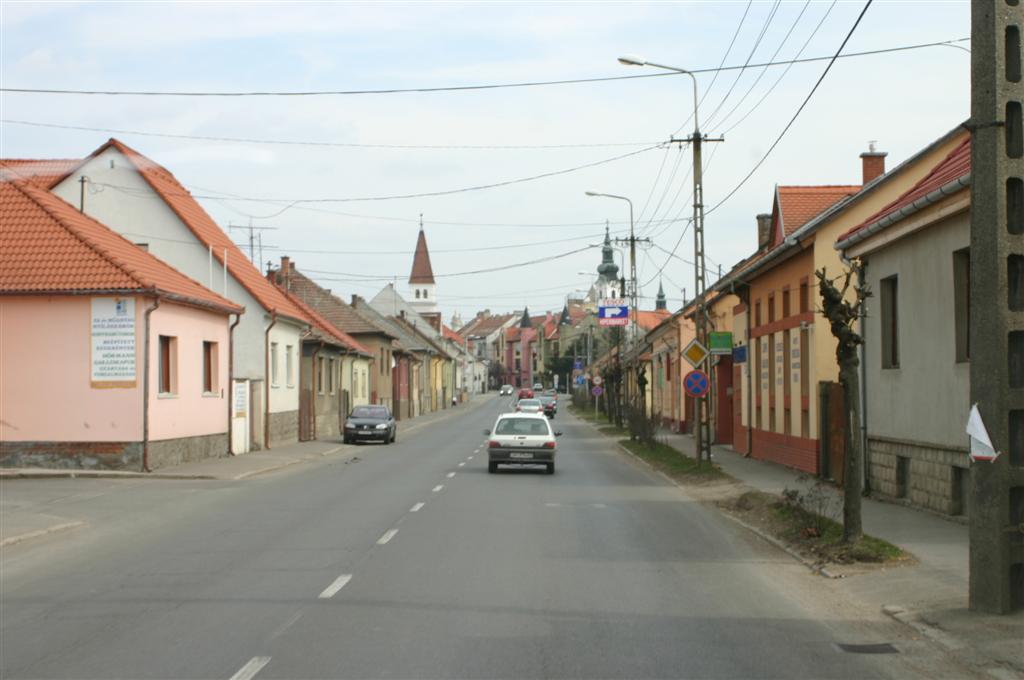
pixel 450 475
pixel 388 535
pixel 417 507
pixel 338 584
pixel 437 488
pixel 249 670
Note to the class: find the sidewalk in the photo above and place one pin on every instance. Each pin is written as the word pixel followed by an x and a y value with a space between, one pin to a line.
pixel 19 524
pixel 930 596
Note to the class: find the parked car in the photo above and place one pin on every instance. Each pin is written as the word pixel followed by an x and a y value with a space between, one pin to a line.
pixel 537 387
pixel 370 423
pixel 529 406
pixel 505 389
pixel 521 439
pixel 548 404
pixel 525 393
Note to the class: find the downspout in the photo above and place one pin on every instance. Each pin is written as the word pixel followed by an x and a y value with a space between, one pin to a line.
pixel 314 374
pixel 266 354
pixel 145 390
pixel 231 379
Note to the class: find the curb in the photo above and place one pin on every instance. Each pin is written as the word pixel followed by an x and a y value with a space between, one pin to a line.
pixel 91 474
pixel 11 540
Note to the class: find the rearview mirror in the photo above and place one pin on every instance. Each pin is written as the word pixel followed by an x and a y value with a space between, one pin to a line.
pixel 487 432
pixel 558 434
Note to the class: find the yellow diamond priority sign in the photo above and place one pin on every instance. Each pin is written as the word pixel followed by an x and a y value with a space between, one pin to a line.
pixel 695 353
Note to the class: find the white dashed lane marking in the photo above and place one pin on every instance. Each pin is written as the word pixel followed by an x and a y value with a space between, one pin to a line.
pixel 462 464
pixel 437 488
pixel 388 535
pixel 249 670
pixel 450 475
pixel 338 584
pixel 417 507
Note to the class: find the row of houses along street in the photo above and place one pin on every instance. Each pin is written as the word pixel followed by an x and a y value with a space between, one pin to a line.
pixel 137 335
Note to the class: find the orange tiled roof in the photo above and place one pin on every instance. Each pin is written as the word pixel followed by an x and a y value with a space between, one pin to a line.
pixel 42 173
pixel 326 327
pixel 954 166
pixel 452 335
pixel 799 205
pixel 46 245
pixel 651 319
pixel 421 269
pixel 178 199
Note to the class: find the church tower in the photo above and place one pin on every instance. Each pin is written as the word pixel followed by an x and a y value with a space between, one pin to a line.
pixel 422 289
pixel 660 302
pixel 607 284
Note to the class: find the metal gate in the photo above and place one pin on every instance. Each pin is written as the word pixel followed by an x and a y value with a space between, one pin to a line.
pixel 307 416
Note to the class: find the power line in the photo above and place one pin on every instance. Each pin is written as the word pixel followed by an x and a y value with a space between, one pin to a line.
pixel 344 145
pixel 458 88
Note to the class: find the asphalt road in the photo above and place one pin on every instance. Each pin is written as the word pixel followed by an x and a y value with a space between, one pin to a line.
pixel 411 561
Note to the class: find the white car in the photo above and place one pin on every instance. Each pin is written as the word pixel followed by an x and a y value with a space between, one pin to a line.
pixel 529 406
pixel 521 439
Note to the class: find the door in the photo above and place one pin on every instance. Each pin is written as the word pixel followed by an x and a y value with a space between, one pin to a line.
pixel 724 397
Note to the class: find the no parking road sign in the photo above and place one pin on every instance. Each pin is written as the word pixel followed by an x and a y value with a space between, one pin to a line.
pixel 597 391
pixel 696 384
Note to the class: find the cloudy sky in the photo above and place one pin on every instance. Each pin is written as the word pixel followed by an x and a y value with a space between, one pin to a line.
pixel 311 193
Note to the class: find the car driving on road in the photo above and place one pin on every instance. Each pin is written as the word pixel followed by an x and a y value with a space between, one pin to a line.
pixel 529 406
pixel 505 389
pixel 521 439
pixel 370 423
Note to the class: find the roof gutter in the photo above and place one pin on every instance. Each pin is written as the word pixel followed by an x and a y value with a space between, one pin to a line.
pixel 947 189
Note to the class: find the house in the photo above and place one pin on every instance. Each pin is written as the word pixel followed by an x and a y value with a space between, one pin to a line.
pixel 381 345
pixel 791 349
pixel 145 203
pixel 334 369
pixel 484 333
pixel 111 359
pixel 914 254
pixel 665 378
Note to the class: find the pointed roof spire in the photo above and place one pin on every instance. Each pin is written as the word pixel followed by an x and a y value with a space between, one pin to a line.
pixel 660 302
pixel 422 272
pixel 607 270
pixel 525 321
pixel 565 319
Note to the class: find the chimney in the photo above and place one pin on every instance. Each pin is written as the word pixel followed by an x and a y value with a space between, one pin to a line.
pixel 354 299
pixel 872 163
pixel 286 270
pixel 764 230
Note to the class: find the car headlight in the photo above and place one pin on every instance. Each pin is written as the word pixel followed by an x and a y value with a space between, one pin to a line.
pixel 382 426
pixel 349 426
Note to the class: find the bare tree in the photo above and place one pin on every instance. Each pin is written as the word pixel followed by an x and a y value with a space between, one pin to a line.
pixel 841 315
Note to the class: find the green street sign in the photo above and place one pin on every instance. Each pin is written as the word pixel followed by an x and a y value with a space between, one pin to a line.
pixel 720 342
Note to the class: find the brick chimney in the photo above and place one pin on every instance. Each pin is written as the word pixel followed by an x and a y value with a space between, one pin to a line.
pixel 284 275
pixel 764 230
pixel 872 163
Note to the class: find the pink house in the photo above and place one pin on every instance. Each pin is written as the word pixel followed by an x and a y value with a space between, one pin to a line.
pixel 109 357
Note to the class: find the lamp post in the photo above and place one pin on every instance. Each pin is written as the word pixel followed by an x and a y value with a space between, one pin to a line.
pixel 700 269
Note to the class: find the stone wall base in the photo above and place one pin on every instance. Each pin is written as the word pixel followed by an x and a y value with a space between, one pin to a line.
pixel 170 452
pixel 284 428
pixel 922 474
pixel 72 455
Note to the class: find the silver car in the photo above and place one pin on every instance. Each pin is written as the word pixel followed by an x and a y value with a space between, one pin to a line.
pixel 529 406
pixel 521 439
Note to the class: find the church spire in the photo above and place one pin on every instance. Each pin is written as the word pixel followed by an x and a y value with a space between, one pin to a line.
pixel 660 302
pixel 422 272
pixel 608 270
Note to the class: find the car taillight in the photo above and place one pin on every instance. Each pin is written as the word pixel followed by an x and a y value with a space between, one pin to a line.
pixel 494 444
pixel 519 408
pixel 549 445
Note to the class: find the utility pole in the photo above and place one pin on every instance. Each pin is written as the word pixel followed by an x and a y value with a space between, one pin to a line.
pixel 997 305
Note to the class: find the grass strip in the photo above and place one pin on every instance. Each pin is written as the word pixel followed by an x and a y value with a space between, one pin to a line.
pixel 673 462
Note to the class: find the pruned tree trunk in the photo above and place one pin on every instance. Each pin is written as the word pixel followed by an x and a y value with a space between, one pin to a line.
pixel 841 315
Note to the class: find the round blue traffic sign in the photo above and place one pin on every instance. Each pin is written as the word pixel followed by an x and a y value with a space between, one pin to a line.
pixel 696 383
pixel 597 390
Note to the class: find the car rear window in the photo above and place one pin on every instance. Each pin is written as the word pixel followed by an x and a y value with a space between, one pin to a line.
pixel 529 402
pixel 532 426
pixel 369 412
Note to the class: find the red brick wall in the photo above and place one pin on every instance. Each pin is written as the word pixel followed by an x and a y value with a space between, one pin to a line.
pixel 794 452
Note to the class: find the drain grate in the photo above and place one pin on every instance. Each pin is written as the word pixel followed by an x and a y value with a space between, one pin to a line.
pixel 875 648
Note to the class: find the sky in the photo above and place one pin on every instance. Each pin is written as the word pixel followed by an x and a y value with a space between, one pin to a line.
pixel 327 178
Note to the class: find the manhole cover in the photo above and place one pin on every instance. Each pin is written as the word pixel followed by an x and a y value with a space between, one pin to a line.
pixel 876 648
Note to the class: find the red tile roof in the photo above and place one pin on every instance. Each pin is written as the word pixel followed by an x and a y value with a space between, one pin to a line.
pixel 800 204
pixel 207 232
pixel 325 327
pixel 421 269
pixel 955 165
pixel 649 320
pixel 452 335
pixel 42 173
pixel 48 246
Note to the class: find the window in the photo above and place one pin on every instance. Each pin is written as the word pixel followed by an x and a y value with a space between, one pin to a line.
pixel 210 382
pixel 320 377
pixel 417 293
pixel 273 364
pixel 424 293
pixel 890 328
pixel 785 302
pixel 962 303
pixel 168 364
pixel 757 314
pixel 804 301
pixel 771 308
pixel 330 375
pixel 289 371
pixel 381 367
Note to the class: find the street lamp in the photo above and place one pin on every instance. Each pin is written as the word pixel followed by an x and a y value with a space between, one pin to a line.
pixel 632 251
pixel 700 268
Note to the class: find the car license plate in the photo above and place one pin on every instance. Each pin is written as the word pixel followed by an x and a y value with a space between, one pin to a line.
pixel 365 433
pixel 520 455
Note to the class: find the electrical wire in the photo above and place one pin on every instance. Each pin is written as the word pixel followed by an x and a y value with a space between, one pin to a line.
pixel 459 88
pixel 343 145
